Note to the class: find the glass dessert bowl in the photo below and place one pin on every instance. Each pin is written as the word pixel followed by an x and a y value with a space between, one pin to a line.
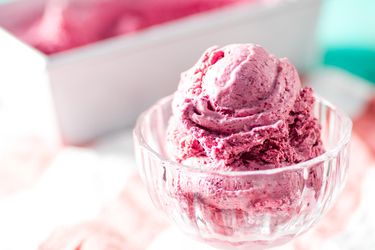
pixel 243 209
pixel 254 209
pixel 244 157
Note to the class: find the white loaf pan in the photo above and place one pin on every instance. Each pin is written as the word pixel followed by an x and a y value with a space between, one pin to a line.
pixel 104 86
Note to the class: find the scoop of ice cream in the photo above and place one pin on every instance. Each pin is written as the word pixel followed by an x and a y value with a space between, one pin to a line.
pixel 243 108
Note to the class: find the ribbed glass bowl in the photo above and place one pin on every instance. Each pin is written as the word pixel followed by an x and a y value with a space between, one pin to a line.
pixel 247 209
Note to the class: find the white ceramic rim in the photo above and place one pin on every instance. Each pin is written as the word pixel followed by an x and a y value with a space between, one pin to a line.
pixel 327 155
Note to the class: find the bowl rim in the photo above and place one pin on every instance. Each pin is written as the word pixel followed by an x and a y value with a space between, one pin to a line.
pixel 327 155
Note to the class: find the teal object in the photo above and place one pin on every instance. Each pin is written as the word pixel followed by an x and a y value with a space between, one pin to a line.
pixel 347 36
pixel 359 61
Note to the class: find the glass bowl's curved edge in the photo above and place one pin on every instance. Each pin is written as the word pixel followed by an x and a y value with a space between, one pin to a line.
pixel 327 155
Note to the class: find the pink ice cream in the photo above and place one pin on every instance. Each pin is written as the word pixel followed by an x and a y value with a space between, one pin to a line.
pixel 67 24
pixel 241 108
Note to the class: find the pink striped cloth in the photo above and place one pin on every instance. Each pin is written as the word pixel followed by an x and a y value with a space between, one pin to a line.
pixel 23 162
pixel 127 222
